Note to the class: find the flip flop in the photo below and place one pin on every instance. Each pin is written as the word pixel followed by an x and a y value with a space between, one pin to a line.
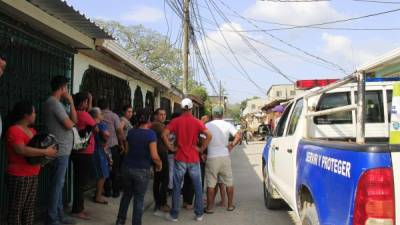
pixel 207 211
pixel 100 202
pixel 232 208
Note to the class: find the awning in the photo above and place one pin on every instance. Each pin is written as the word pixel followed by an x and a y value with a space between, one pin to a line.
pixel 62 11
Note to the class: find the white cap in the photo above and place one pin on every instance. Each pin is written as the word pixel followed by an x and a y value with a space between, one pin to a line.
pixel 187 103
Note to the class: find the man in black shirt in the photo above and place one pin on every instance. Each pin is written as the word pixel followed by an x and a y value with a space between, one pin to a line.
pixel 161 178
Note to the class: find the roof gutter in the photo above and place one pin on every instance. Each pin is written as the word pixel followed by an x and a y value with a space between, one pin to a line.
pixel 117 51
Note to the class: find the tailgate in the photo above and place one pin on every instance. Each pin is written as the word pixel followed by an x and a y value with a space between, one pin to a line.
pixel 396 177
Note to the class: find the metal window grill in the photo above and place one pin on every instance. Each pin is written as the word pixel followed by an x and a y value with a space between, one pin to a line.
pixel 32 60
pixel 165 103
pixel 104 85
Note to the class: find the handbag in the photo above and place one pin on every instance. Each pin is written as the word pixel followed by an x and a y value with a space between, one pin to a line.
pixel 81 139
pixel 42 141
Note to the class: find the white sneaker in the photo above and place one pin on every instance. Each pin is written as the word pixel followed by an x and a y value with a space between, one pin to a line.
pixel 199 218
pixel 159 213
pixel 169 218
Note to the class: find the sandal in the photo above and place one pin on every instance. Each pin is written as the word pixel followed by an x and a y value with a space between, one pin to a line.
pixel 232 208
pixel 207 211
pixel 104 202
pixel 81 216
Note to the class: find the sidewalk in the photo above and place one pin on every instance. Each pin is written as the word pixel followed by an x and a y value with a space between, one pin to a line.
pixel 107 214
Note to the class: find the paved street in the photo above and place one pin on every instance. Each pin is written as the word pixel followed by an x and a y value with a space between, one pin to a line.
pixel 249 199
pixel 250 208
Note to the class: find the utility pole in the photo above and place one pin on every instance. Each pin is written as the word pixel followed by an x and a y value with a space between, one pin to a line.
pixel 185 49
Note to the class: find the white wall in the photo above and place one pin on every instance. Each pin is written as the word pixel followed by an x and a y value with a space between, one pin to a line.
pixel 82 63
pixel 285 90
pixel 258 104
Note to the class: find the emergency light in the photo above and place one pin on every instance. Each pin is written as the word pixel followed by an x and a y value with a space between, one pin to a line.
pixel 308 84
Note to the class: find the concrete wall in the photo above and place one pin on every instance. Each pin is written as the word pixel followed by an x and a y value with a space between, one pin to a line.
pixel 285 92
pixel 254 105
pixel 82 63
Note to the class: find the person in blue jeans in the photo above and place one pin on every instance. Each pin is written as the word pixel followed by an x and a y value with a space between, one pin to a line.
pixel 142 152
pixel 187 130
pixel 59 123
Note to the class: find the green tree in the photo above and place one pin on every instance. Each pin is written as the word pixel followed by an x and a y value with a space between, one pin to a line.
pixel 155 51
pixel 148 47
pixel 233 111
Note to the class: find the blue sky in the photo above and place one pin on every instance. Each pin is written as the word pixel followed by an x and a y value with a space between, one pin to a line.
pixel 347 48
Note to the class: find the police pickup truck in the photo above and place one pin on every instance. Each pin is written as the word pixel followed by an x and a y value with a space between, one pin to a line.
pixel 330 159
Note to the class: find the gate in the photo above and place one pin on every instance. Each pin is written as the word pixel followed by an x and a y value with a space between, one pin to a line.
pixel 138 99
pixel 165 103
pixel 149 101
pixel 32 61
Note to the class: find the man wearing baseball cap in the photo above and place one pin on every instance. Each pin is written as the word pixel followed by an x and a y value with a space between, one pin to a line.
pixel 187 130
pixel 218 165
pixel 278 110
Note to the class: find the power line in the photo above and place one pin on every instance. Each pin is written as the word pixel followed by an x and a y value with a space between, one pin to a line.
pixel 244 57
pixel 339 21
pixel 294 1
pixel 206 52
pixel 246 75
pixel 320 28
pixel 318 25
pixel 202 62
pixel 285 42
pixel 249 45
pixel 381 2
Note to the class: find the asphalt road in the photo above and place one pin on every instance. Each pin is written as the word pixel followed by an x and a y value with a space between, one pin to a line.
pixel 250 209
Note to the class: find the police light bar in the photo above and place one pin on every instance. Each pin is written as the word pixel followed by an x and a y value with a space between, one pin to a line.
pixel 308 84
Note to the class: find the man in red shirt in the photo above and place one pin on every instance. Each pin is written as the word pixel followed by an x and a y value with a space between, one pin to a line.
pixel 187 130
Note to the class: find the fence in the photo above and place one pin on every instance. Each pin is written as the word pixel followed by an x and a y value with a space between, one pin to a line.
pixel 32 60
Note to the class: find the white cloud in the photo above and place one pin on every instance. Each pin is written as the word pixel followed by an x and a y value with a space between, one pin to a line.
pixel 293 13
pixel 144 14
pixel 343 48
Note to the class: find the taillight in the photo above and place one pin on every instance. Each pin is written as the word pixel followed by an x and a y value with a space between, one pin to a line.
pixel 374 202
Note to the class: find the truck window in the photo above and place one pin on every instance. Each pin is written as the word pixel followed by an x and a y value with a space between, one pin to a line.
pixel 389 103
pixel 333 100
pixel 373 106
pixel 280 128
pixel 294 119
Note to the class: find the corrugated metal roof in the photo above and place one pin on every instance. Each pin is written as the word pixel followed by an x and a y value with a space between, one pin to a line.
pixel 66 13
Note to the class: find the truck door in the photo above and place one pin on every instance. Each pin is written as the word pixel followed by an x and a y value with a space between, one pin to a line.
pixel 288 153
pixel 277 143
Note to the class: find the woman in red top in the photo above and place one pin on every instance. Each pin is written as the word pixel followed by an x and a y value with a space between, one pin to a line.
pixel 82 159
pixel 22 177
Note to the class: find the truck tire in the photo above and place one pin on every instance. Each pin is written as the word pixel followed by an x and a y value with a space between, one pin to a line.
pixel 269 201
pixel 310 216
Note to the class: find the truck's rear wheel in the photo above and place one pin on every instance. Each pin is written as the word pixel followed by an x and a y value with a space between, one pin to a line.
pixel 269 201
pixel 310 216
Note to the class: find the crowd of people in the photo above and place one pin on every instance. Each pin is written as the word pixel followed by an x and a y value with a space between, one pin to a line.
pixel 122 151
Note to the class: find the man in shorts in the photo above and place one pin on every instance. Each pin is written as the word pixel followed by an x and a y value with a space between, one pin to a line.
pixel 218 164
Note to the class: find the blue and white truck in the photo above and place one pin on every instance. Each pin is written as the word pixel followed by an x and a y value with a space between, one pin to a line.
pixel 330 159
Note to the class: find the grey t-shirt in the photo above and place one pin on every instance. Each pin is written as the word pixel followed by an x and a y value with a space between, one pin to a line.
pixel 113 123
pixel 54 116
